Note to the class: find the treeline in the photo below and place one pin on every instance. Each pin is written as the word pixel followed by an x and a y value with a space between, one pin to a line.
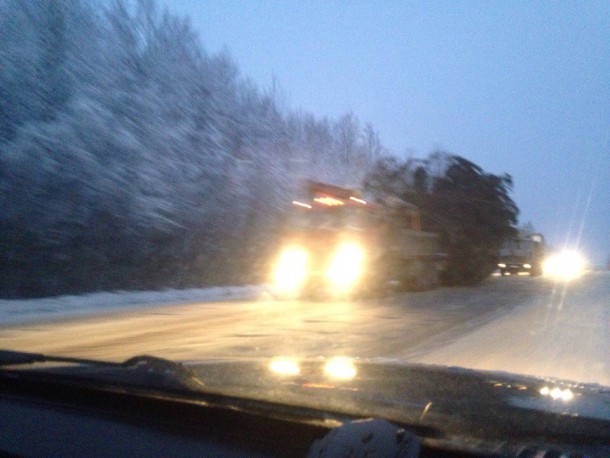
pixel 131 158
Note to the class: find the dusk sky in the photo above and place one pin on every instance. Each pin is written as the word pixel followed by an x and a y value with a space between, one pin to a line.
pixel 516 87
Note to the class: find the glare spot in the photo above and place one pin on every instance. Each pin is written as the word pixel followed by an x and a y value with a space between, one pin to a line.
pixel 291 269
pixel 566 265
pixel 301 204
pixel 346 266
pixel 557 393
pixel 330 201
pixel 340 368
pixel 356 199
pixel 285 367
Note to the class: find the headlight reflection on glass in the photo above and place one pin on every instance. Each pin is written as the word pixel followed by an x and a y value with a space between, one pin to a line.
pixel 285 366
pixel 340 368
pixel 346 266
pixel 557 393
pixel 291 269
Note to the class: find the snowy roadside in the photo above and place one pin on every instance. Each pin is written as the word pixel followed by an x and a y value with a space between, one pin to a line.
pixel 19 311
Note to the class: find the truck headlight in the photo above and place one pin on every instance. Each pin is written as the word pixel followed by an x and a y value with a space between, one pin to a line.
pixel 346 266
pixel 502 265
pixel 291 269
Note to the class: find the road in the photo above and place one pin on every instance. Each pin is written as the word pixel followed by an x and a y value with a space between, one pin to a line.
pixel 516 324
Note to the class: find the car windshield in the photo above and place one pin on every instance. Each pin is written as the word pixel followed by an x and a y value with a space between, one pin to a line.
pixel 399 182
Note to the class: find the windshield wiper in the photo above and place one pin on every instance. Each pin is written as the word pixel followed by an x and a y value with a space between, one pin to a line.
pixel 18 358
pixel 177 372
pixel 156 370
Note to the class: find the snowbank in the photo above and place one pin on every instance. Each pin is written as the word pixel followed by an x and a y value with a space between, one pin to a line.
pixel 33 310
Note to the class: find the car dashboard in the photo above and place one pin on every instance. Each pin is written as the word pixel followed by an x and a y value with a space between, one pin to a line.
pixel 49 417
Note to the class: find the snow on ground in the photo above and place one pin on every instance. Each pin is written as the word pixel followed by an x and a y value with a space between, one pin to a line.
pixel 519 325
pixel 18 311
pixel 564 334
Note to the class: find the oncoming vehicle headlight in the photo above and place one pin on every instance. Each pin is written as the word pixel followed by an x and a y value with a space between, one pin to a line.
pixel 291 268
pixel 566 265
pixel 346 266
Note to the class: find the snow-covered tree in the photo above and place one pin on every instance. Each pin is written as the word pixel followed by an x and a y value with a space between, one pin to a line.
pixel 132 158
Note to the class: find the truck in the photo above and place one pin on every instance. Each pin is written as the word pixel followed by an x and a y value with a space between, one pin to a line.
pixel 522 254
pixel 337 243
